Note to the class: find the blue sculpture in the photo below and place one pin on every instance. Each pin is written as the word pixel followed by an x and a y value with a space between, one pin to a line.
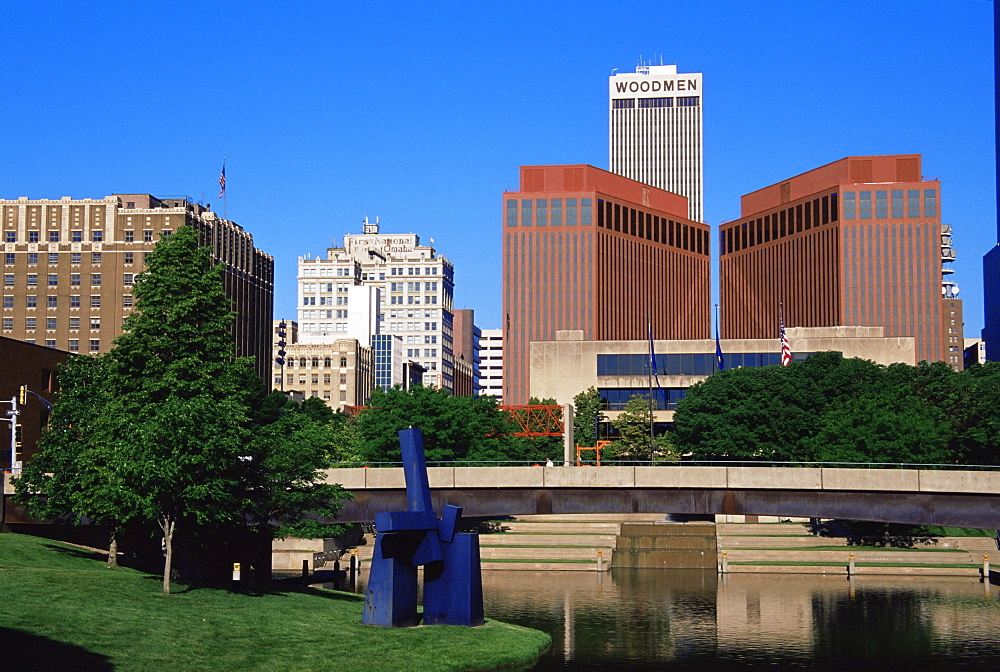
pixel 453 580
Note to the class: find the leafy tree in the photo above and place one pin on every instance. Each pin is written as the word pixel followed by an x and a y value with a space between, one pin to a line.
pixel 170 427
pixel 586 407
pixel 453 427
pixel 632 425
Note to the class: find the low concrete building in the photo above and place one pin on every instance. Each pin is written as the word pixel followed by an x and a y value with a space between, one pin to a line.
pixel 563 368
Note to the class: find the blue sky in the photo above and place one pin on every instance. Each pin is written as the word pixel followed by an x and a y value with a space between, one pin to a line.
pixel 421 113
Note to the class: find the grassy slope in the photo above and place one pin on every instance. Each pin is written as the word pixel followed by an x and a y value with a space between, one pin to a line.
pixel 54 598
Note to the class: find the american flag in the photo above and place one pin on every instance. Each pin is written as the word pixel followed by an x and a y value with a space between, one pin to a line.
pixel 222 181
pixel 786 351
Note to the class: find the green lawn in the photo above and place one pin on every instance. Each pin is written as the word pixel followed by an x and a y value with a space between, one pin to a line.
pixel 60 608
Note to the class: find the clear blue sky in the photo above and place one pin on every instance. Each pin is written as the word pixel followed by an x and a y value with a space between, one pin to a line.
pixel 421 113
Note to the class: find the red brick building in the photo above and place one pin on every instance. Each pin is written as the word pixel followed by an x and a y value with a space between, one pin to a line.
pixel 35 366
pixel 585 249
pixel 857 242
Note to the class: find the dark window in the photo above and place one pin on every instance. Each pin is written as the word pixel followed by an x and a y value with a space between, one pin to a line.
pixel 622 103
pixel 848 206
pixel 656 102
pixel 881 204
pixel 688 101
pixel 897 203
pixel 913 203
pixel 930 202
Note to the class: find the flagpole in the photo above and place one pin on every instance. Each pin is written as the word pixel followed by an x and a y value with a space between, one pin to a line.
pixel 652 364
pixel 222 191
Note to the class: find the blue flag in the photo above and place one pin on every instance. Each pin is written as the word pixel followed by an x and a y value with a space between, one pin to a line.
pixel 718 350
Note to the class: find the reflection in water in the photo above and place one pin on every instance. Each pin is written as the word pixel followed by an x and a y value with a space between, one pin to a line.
pixel 694 620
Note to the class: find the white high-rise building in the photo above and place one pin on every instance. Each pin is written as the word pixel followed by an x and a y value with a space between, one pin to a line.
pixel 491 363
pixel 379 284
pixel 655 130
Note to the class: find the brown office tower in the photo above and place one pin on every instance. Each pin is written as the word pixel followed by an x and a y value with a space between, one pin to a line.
pixel 857 242
pixel 588 250
pixel 69 265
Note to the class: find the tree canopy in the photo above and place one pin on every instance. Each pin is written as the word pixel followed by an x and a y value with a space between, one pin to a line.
pixel 169 427
pixel 832 408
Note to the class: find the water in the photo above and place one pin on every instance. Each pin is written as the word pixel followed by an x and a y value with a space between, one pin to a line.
pixel 693 620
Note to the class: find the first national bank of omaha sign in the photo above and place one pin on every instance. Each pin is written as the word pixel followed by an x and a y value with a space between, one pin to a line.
pixel 624 85
pixel 384 244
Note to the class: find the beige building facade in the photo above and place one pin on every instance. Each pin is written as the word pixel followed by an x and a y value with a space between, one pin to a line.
pixel 69 267
pixel 341 372
pixel 563 368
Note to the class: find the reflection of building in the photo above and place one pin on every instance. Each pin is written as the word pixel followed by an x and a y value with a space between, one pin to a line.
pixel 404 288
pixel 340 372
pixel 856 242
pixel 654 130
pixel 491 365
pixel 69 265
pixel 34 366
pixel 586 249
pixel 563 368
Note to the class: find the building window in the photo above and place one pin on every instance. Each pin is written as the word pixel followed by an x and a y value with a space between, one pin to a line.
pixel 326 379
pixel 74 279
pixel 541 211
pixel 29 323
pixel 50 323
pixel 127 300
pixel 53 258
pixel 8 323
pixel 8 302
pixel 343 395
pixel 95 345
pixel 8 258
pixel 32 236
pixel 95 323
pixel 32 280
pixel 930 202
pixel 53 301
pixel 53 236
pixel 881 205
pixel 74 301
pixel 53 280
pixel 74 345
pixel 96 258
pixel 526 218
pixel 865 204
pixel 130 236
pixel 32 259
pixel 315 379
pixel 76 236
pixel 585 211
pixel 129 257
pixel 8 280
pixel 95 279
pixel 147 236
pixel 128 279
pixel 97 236
pixel 913 203
pixel 849 212
pixel 343 361
pixel 31 301
pixel 74 323
pixel 511 212
pixel 688 101
pixel 95 301
pixel 11 237
pixel 645 103
pixel 75 258
pixel 622 103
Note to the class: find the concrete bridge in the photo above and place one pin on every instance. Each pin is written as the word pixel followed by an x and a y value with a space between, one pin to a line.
pixel 915 496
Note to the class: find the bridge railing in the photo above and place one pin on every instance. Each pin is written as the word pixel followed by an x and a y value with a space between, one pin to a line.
pixel 685 463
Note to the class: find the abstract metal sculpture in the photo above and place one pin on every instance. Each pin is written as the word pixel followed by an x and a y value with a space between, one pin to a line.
pixel 453 581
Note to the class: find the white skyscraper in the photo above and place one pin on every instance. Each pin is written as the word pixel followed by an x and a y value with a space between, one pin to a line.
pixel 655 130
pixel 378 284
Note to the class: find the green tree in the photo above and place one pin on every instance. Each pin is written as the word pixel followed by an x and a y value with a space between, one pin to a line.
pixel 633 442
pixel 454 428
pixel 170 427
pixel 586 407
pixel 81 471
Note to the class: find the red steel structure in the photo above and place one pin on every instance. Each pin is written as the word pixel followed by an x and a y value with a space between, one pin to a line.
pixel 857 242
pixel 585 249
pixel 536 420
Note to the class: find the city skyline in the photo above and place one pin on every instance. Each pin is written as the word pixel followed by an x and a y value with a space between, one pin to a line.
pixel 311 109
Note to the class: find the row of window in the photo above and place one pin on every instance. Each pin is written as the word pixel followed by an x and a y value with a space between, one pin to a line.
pixel 75 279
pixel 51 323
pixel 327 379
pixel 648 103
pixel 327 362
pixel 634 222
pixel 776 225
pixel 860 207
pixel 415 352
pixel 96 236
pixel 411 300
pixel 550 212
pixel 75 258
pixel 75 301
pixel 413 326
pixel 412 286
pixel 686 364
pixel 73 345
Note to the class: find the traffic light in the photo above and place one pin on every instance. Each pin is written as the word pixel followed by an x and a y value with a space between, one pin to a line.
pixel 17 441
pixel 22 397
pixel 598 419
pixel 280 359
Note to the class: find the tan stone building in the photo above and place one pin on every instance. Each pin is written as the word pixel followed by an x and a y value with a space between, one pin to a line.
pixel 563 368
pixel 341 372
pixel 69 265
